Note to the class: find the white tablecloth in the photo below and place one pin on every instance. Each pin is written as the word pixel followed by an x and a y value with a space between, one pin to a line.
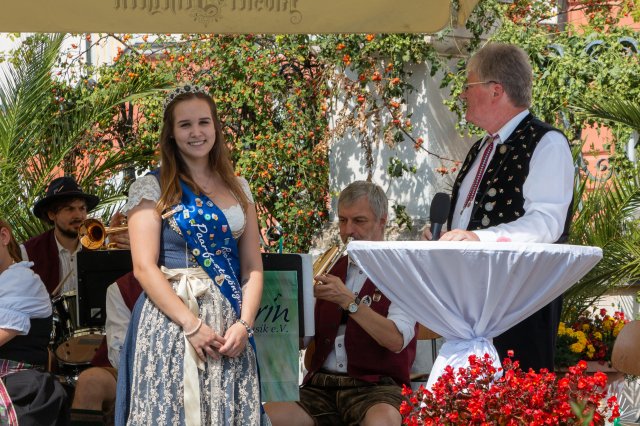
pixel 470 292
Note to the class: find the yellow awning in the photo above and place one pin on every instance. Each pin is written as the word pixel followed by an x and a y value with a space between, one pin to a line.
pixel 231 16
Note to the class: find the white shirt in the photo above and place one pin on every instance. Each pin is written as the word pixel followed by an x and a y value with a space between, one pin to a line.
pixel 22 297
pixel 337 360
pixel 547 191
pixel 68 265
pixel 116 324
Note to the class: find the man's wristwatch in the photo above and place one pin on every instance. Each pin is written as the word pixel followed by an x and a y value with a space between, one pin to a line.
pixel 353 306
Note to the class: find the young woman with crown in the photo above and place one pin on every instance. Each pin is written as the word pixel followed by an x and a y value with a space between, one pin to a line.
pixel 189 356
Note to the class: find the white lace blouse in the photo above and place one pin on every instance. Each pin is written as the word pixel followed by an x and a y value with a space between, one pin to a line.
pixel 148 188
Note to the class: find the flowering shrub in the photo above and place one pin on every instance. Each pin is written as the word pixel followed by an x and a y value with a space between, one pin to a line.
pixel 481 394
pixel 590 337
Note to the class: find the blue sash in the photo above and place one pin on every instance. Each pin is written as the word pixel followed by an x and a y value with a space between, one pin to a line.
pixel 208 235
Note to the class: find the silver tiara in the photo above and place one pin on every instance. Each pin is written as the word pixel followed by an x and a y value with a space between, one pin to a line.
pixel 181 90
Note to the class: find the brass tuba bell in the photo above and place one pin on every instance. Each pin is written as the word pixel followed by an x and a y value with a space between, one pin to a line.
pixel 93 233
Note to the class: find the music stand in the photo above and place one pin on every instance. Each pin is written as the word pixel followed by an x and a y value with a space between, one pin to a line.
pixel 280 323
pixel 289 262
pixel 96 271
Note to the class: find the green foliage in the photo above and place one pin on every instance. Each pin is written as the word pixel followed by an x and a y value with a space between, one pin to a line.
pixel 48 128
pixel 571 64
pixel 274 94
pixel 270 93
pixel 606 218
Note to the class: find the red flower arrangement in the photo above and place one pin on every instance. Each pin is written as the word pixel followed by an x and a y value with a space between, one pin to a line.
pixel 483 395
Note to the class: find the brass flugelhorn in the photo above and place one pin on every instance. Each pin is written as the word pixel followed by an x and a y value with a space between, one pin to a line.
pixel 326 260
pixel 93 233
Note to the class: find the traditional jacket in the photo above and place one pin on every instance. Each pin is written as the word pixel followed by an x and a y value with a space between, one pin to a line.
pixel 499 198
pixel 366 359
pixel 43 252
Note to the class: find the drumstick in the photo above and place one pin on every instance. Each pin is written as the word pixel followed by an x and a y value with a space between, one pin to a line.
pixel 56 290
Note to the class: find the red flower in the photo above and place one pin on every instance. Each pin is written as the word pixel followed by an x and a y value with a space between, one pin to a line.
pixel 476 395
pixel 406 390
pixel 418 143
pixel 405 408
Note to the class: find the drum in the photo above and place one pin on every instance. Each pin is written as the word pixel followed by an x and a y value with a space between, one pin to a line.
pixel 65 317
pixel 66 309
pixel 80 347
pixel 75 353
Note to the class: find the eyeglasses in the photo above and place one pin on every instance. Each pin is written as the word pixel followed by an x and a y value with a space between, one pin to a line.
pixel 466 86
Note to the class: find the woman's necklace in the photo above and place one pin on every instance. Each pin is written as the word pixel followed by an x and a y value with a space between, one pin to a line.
pixel 209 187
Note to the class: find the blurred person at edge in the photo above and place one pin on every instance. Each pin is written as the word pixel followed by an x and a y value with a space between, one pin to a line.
pixel 28 394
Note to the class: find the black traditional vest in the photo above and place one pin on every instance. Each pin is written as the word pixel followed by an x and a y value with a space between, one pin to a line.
pixel 30 348
pixel 499 198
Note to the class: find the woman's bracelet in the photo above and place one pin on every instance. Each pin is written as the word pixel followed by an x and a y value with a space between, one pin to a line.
pixel 195 330
pixel 246 326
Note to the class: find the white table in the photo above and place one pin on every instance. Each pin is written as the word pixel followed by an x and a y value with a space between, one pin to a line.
pixel 470 292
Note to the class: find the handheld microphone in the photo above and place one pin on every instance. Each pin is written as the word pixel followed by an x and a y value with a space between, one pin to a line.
pixel 438 213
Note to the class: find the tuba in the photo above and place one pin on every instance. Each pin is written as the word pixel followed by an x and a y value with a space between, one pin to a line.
pixel 93 233
pixel 325 262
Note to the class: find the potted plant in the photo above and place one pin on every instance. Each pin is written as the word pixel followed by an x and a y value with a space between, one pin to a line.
pixel 590 338
pixel 481 394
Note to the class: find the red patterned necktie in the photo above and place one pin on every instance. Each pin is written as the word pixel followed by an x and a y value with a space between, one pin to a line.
pixel 483 165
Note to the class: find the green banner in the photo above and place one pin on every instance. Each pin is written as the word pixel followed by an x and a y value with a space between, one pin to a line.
pixel 276 334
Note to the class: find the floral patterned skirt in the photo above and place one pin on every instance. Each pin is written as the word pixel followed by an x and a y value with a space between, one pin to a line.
pixel 229 387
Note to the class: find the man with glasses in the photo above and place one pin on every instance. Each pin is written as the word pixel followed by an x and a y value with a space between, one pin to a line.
pixel 516 183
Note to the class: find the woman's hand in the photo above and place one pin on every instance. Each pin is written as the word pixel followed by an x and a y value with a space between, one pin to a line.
pixel 236 340
pixel 207 342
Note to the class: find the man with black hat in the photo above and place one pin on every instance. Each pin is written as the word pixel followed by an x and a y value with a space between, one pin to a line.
pixel 65 206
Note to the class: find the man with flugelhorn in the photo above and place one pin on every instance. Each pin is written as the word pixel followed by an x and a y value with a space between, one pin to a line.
pixel 364 345
pixel 65 206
